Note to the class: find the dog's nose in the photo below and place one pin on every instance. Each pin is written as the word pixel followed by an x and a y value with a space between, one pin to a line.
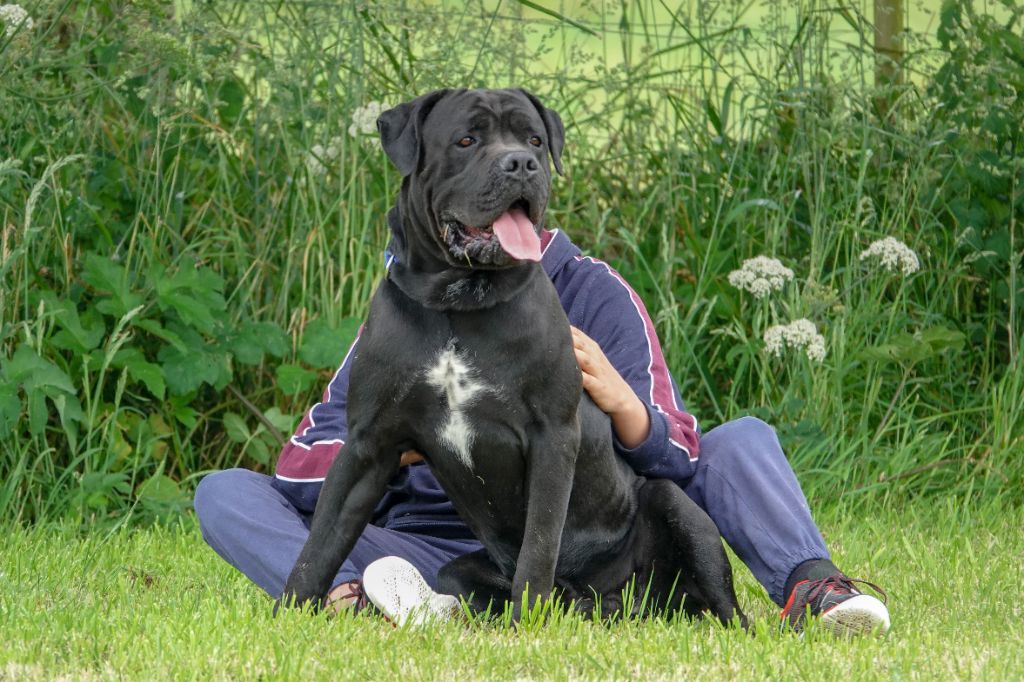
pixel 521 164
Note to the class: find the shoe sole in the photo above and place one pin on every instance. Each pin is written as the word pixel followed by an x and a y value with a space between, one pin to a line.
pixel 395 587
pixel 858 615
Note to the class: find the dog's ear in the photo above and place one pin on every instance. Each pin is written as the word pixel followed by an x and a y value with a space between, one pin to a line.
pixel 400 130
pixel 552 126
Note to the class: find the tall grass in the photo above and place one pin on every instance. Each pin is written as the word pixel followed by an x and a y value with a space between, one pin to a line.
pixel 189 234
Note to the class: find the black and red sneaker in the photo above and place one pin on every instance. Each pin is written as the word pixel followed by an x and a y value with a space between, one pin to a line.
pixel 837 605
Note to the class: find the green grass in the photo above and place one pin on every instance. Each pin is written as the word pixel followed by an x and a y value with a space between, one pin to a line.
pixel 158 604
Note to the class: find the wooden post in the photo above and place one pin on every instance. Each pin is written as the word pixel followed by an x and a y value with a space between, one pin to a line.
pixel 888 51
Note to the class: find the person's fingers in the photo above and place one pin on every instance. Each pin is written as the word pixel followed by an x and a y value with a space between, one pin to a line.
pixel 589 382
pixel 584 360
pixel 580 339
pixel 410 457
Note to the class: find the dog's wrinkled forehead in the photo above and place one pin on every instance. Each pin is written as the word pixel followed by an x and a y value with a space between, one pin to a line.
pixel 438 116
pixel 493 113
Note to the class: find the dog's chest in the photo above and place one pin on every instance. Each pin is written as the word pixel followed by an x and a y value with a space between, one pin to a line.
pixel 459 387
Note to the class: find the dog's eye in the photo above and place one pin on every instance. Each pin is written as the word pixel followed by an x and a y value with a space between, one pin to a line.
pixel 467 141
pixel 536 141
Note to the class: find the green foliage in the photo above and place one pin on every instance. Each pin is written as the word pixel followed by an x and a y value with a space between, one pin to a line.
pixel 189 233
pixel 980 105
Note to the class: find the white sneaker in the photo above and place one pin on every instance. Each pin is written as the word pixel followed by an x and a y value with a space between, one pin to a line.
pixel 859 615
pixel 395 587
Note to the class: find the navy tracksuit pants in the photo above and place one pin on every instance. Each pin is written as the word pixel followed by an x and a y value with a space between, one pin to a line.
pixel 743 481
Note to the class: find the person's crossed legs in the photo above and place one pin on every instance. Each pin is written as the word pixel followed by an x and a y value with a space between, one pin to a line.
pixel 256 530
pixel 743 482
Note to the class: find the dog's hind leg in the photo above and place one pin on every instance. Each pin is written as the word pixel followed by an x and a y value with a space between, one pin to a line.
pixel 693 546
pixel 476 578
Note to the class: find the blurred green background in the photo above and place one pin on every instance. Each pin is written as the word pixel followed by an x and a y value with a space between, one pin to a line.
pixel 192 220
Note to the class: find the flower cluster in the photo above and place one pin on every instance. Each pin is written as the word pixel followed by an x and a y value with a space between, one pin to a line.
pixel 13 16
pixel 320 156
pixel 364 119
pixel 893 254
pixel 760 276
pixel 799 334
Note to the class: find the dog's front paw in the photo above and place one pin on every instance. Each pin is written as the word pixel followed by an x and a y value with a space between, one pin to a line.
pixel 293 598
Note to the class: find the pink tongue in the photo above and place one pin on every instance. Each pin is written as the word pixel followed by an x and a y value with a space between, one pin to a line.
pixel 516 235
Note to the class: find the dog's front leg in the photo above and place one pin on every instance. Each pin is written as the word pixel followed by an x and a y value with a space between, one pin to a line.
pixel 550 472
pixel 354 485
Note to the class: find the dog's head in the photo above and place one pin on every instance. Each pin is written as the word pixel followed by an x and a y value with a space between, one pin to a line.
pixel 476 174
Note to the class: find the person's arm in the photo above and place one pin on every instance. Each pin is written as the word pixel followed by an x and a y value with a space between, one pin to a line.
pixel 624 372
pixel 306 457
pixel 610 391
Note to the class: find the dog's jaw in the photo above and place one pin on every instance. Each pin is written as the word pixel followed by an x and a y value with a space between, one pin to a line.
pixel 425 274
pixel 502 239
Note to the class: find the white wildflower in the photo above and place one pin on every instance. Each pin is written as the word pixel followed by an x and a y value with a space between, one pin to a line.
pixel 13 16
pixel 760 276
pixel 893 253
pixel 320 157
pixel 799 334
pixel 364 119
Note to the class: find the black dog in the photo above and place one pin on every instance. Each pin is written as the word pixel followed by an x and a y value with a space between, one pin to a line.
pixel 466 357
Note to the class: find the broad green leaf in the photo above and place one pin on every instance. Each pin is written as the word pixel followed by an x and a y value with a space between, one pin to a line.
pixel 150 374
pixel 157 330
pixel 942 338
pixel 185 416
pixel 160 488
pixel 258 450
pixel 37 413
pixel 903 348
pixel 325 346
pixel 10 406
pixel 906 348
pixel 186 372
pixel 252 339
pixel 34 372
pixel 245 346
pixel 104 275
pixel 273 338
pixel 191 310
pixel 235 427
pixel 202 362
pixel 195 294
pixel 76 336
pixel 293 379
pixel 78 333
pixel 70 412
pixel 284 423
pixel 68 408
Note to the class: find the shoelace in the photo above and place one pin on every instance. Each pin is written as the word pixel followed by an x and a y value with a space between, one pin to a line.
pixel 355 592
pixel 841 583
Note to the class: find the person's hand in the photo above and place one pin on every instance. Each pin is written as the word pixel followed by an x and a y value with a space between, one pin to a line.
pixel 610 391
pixel 410 457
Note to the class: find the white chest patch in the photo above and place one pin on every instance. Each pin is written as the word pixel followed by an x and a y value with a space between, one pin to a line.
pixel 453 376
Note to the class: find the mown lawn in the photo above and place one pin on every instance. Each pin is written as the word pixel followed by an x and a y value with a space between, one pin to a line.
pixel 158 604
